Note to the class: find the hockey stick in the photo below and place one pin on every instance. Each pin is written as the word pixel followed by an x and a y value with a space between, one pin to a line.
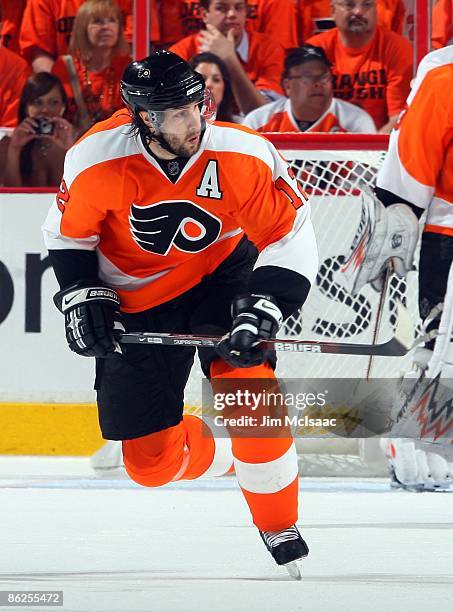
pixel 399 345
pixel 380 312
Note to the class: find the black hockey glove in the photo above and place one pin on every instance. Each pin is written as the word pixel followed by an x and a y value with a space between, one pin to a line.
pixel 255 318
pixel 91 315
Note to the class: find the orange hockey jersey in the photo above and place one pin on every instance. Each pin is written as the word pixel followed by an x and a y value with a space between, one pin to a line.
pixel 419 163
pixel 156 239
pixel 341 116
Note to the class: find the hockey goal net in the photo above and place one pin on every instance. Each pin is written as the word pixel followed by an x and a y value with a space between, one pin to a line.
pixel 334 169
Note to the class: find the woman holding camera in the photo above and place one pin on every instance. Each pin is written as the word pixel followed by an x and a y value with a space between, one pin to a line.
pixel 38 145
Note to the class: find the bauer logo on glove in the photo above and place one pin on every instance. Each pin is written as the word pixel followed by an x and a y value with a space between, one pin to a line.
pixel 91 318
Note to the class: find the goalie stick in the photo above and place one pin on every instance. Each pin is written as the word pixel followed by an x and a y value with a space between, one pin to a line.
pixel 401 343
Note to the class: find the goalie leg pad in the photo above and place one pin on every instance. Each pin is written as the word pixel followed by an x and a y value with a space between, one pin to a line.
pixel 425 414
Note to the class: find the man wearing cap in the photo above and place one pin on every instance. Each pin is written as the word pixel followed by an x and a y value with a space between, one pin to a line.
pixel 310 105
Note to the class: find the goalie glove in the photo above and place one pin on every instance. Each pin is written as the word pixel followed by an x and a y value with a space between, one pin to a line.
pixel 385 236
pixel 255 318
pixel 91 316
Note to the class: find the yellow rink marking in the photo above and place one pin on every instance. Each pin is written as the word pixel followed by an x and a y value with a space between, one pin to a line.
pixel 51 429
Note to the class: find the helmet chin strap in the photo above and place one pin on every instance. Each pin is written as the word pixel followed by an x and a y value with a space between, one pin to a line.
pixel 163 143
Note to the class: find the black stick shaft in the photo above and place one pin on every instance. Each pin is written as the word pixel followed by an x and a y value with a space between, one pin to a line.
pixel 392 348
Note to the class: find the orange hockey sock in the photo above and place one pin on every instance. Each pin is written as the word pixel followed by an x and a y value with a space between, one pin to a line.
pixel 266 467
pixel 183 452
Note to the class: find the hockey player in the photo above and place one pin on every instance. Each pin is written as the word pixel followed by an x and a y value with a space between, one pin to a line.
pixel 417 176
pixel 418 171
pixel 148 232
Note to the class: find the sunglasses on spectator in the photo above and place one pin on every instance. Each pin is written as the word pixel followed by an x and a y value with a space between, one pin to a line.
pixel 309 79
pixel 351 6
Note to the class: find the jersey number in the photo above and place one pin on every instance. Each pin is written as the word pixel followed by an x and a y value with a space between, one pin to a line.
pixel 296 199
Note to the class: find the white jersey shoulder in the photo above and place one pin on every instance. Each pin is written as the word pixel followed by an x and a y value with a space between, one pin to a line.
pixel 98 148
pixel 435 59
pixel 352 118
pixel 261 115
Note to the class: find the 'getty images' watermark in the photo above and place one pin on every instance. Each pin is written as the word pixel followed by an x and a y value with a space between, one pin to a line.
pixel 269 409
pixel 243 398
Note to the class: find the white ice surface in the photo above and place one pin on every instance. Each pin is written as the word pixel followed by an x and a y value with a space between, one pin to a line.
pixel 190 547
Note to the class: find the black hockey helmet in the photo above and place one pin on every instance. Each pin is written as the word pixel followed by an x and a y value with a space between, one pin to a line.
pixel 161 81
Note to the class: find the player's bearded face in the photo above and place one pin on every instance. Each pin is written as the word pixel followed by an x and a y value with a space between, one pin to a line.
pixel 181 129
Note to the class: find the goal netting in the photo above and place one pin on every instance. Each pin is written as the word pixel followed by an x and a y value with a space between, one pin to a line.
pixel 334 169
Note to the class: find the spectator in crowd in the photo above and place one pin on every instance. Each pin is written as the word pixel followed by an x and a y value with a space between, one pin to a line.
pixel 47 26
pixel 10 21
pixel 14 71
pixel 39 143
pixel 372 66
pixel 254 60
pixel 310 106
pixel 217 80
pixel 99 55
pixel 442 24
pixel 315 16
pixel 277 18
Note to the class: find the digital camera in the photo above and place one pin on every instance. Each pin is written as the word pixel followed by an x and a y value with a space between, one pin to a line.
pixel 45 126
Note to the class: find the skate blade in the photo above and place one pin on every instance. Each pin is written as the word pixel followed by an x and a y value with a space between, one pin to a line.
pixel 293 570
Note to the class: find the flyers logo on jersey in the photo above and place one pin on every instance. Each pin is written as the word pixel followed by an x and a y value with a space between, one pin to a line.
pixel 180 223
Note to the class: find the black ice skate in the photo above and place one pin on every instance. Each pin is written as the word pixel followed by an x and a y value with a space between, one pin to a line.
pixel 287 547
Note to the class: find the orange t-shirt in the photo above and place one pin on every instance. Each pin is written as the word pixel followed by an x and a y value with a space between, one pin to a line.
pixel 419 163
pixel 156 239
pixel 10 21
pixel 315 16
pixel 47 25
pixel 442 23
pixel 276 18
pixel 264 65
pixel 376 77
pixel 180 18
pixel 100 90
pixel 14 71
